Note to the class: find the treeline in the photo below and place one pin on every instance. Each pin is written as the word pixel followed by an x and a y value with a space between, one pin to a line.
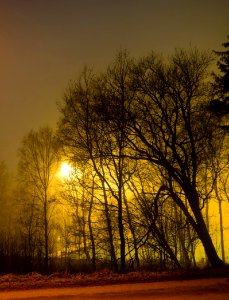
pixel 147 155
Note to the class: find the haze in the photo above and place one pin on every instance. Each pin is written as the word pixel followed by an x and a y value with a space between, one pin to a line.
pixel 45 44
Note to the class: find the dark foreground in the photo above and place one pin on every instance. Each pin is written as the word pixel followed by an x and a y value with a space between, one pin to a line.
pixel 205 289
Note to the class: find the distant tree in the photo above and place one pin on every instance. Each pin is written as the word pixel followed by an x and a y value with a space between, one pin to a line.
pixel 8 230
pixel 29 226
pixel 37 166
pixel 4 194
pixel 78 192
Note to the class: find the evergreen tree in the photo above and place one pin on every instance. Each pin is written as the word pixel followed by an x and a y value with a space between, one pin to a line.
pixel 220 104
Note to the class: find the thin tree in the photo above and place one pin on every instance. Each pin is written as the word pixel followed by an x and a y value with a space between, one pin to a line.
pixel 82 136
pixel 37 163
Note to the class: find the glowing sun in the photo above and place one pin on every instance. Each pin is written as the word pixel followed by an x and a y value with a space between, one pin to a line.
pixel 65 169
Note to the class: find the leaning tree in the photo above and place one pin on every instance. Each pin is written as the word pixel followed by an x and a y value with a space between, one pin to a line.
pixel 170 128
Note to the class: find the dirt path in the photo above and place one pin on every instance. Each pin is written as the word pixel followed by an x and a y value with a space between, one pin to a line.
pixel 204 289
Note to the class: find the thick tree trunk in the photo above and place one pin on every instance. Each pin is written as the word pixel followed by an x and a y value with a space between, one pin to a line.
pixel 198 224
pixel 205 238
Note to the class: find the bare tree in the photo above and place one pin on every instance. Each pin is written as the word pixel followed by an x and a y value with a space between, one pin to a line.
pixel 81 134
pixel 154 112
pixel 37 163
pixel 9 233
pixel 220 173
pixel 171 129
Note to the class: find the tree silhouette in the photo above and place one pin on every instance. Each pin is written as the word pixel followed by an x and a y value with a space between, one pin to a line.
pixel 37 162
pixel 220 104
pixel 148 112
pixel 170 129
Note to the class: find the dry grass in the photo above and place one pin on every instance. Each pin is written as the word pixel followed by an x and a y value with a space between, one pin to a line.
pixel 35 280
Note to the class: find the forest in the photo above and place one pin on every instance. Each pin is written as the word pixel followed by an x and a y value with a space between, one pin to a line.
pixel 131 176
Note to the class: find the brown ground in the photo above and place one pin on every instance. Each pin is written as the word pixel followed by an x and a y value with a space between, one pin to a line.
pixel 197 289
pixel 35 280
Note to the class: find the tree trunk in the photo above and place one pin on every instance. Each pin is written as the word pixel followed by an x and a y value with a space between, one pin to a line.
pixel 120 226
pixel 101 174
pixel 221 230
pixel 198 224
pixel 90 227
pixel 46 266
pixel 220 221
pixel 164 244
pixel 114 263
pixel 184 257
pixel 132 232
pixel 192 246
pixel 205 238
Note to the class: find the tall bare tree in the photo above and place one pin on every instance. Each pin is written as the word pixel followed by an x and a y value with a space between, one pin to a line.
pixel 81 133
pixel 37 166
pixel 154 112
pixel 171 129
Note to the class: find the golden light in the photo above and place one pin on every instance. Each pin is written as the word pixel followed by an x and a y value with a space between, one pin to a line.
pixel 65 169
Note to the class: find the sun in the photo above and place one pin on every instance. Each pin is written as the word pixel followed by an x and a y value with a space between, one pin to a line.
pixel 65 169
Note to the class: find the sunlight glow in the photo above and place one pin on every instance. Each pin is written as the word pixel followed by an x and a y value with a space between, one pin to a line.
pixel 65 169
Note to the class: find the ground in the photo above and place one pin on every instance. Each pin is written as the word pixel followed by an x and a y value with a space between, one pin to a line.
pixel 202 284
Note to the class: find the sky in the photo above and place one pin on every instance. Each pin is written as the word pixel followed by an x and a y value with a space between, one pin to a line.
pixel 44 44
